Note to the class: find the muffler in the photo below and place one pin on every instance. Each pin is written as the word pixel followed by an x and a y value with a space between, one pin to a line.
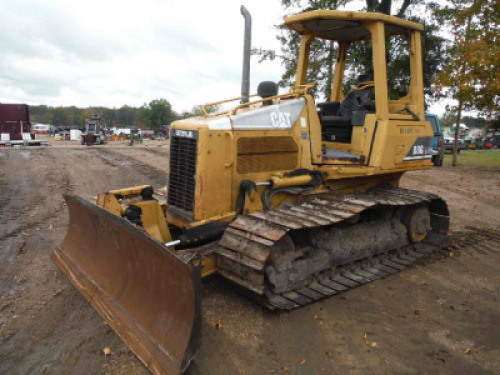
pixel 247 45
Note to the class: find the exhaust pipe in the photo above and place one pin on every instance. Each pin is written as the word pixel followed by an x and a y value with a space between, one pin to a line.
pixel 245 83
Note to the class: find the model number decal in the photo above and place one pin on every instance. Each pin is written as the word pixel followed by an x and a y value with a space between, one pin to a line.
pixel 418 150
pixel 421 149
pixel 184 133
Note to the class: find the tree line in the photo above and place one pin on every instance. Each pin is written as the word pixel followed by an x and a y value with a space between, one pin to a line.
pixel 472 75
pixel 449 120
pixel 152 115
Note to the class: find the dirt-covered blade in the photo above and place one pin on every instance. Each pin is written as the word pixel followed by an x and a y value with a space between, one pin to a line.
pixel 144 292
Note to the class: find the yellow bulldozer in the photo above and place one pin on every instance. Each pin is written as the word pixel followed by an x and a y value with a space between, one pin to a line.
pixel 290 199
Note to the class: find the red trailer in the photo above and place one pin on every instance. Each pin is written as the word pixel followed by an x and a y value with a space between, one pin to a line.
pixel 14 120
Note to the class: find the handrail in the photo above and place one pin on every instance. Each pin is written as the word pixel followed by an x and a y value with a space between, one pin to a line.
pixel 241 105
pixel 232 145
pixel 296 91
pixel 204 106
pixel 364 85
pixel 304 88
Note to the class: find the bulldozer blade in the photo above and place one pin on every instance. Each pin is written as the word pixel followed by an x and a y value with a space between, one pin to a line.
pixel 149 296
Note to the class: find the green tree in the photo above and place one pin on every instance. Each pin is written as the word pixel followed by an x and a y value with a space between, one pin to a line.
pixel 48 117
pixel 448 119
pixel 474 122
pixel 39 114
pixel 73 115
pixel 493 125
pixel 127 115
pixel 322 56
pixel 110 117
pixel 197 111
pixel 60 117
pixel 86 114
pixel 385 6
pixel 471 77
pixel 157 113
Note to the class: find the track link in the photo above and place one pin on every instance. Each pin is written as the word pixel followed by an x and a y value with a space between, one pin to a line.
pixel 345 278
pixel 342 279
pixel 245 248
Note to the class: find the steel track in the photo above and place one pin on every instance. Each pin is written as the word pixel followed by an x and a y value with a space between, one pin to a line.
pixel 244 250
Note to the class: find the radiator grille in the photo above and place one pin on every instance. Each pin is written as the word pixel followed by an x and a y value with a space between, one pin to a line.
pixel 182 177
pixel 264 154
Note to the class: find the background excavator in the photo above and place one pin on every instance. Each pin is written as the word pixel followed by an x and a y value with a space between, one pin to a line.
pixel 290 199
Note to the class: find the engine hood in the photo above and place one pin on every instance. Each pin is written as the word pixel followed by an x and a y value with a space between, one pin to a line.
pixel 276 116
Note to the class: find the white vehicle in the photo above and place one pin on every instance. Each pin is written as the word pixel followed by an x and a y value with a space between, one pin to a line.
pixel 449 140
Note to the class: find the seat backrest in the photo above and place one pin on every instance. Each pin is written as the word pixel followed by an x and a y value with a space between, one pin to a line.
pixel 329 108
pixel 356 98
pixel 348 105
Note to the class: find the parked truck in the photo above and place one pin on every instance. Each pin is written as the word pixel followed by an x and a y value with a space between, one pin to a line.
pixel 437 143
pixel 15 126
pixel 14 121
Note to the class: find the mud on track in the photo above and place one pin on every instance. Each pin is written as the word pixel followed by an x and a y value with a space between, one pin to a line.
pixel 421 321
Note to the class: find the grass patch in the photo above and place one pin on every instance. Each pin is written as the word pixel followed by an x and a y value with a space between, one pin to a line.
pixel 475 158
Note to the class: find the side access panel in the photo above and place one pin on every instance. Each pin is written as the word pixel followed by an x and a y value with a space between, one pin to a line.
pixel 145 293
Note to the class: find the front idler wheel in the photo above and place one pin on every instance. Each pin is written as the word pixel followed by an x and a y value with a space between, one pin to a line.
pixel 418 223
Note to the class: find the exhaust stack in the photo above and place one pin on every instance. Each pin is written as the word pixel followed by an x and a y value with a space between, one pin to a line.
pixel 245 82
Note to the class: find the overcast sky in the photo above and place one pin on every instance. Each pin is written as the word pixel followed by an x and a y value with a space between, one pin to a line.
pixel 111 53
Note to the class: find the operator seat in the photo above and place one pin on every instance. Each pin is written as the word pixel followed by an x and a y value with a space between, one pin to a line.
pixel 337 119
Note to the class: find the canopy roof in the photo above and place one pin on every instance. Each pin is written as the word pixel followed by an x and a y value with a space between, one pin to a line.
pixel 348 26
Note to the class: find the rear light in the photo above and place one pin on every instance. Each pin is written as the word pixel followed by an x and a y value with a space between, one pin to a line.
pixel 440 143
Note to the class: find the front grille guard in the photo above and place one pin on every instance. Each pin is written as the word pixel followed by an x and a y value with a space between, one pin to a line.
pixel 182 174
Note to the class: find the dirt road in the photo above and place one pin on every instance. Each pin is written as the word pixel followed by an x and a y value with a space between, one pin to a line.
pixel 443 317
